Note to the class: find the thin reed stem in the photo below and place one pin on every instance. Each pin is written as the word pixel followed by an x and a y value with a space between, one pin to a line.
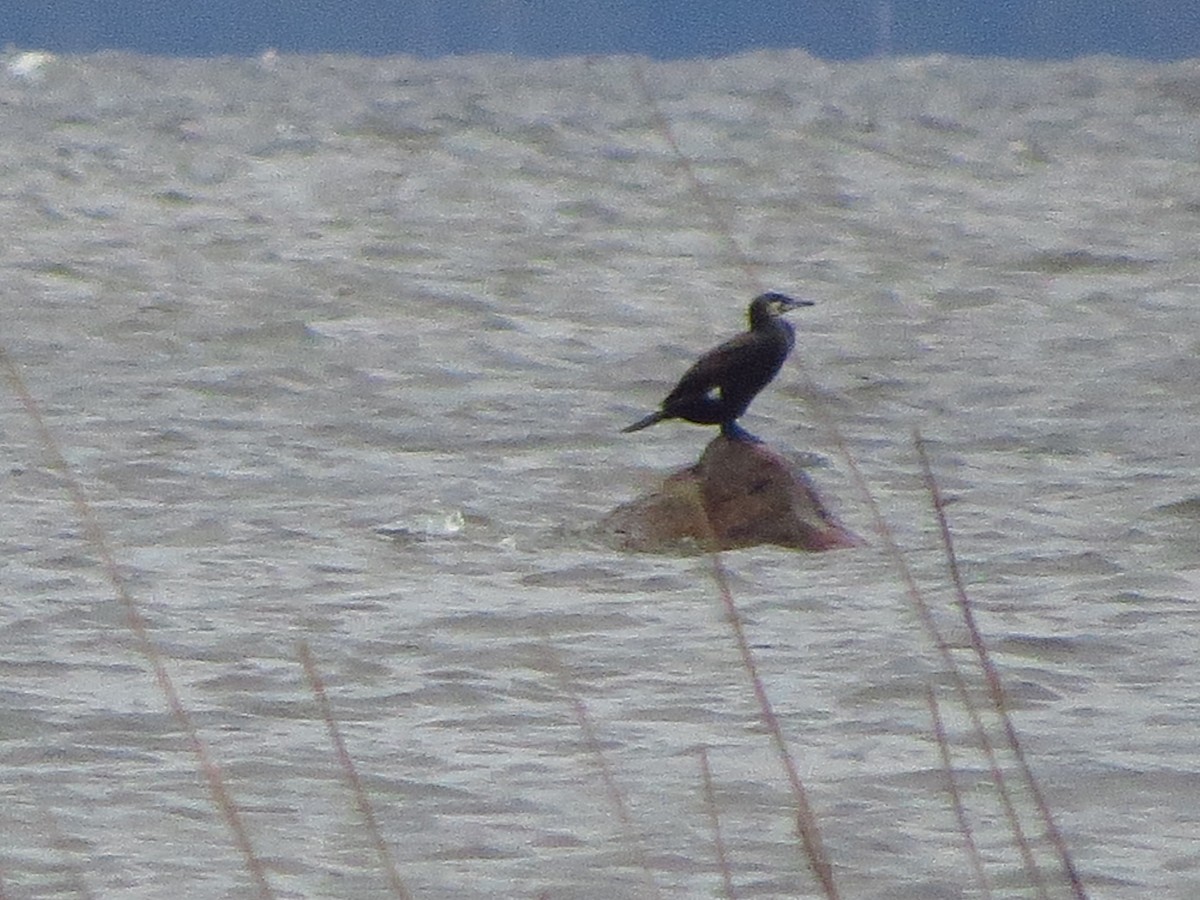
pixel 317 686
pixel 960 812
pixel 992 676
pixel 714 821
pixel 98 539
pixel 616 797
pixel 698 189
pixel 806 820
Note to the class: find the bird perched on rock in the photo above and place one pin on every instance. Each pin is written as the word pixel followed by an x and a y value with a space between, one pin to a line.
pixel 717 389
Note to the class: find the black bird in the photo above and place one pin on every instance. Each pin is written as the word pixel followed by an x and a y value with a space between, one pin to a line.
pixel 721 384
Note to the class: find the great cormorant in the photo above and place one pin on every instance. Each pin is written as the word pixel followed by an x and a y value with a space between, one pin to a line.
pixel 721 384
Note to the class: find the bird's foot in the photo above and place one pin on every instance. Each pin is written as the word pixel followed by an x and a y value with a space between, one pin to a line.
pixel 735 432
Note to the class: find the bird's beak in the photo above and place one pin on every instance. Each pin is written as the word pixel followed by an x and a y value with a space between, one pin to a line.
pixel 790 303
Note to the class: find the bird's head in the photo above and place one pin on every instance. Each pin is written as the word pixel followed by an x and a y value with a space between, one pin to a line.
pixel 767 306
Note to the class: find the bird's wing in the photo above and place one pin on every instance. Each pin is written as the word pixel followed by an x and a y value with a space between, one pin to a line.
pixel 709 370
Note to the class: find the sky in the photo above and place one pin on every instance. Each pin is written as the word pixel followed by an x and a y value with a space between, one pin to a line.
pixel 664 29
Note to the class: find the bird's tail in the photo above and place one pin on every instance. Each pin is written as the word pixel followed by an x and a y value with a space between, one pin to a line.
pixel 656 416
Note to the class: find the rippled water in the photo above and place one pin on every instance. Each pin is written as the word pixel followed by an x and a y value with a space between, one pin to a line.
pixel 339 350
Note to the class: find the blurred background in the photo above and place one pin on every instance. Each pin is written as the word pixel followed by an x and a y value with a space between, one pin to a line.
pixel 669 29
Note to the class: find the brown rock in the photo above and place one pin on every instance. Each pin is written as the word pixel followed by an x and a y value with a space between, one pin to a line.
pixel 739 494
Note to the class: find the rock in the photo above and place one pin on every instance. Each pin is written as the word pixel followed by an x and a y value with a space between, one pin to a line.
pixel 740 494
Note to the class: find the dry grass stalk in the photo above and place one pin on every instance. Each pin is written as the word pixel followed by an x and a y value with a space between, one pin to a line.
pixel 616 797
pixel 98 539
pixel 317 686
pixel 992 678
pixel 960 812
pixel 714 821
